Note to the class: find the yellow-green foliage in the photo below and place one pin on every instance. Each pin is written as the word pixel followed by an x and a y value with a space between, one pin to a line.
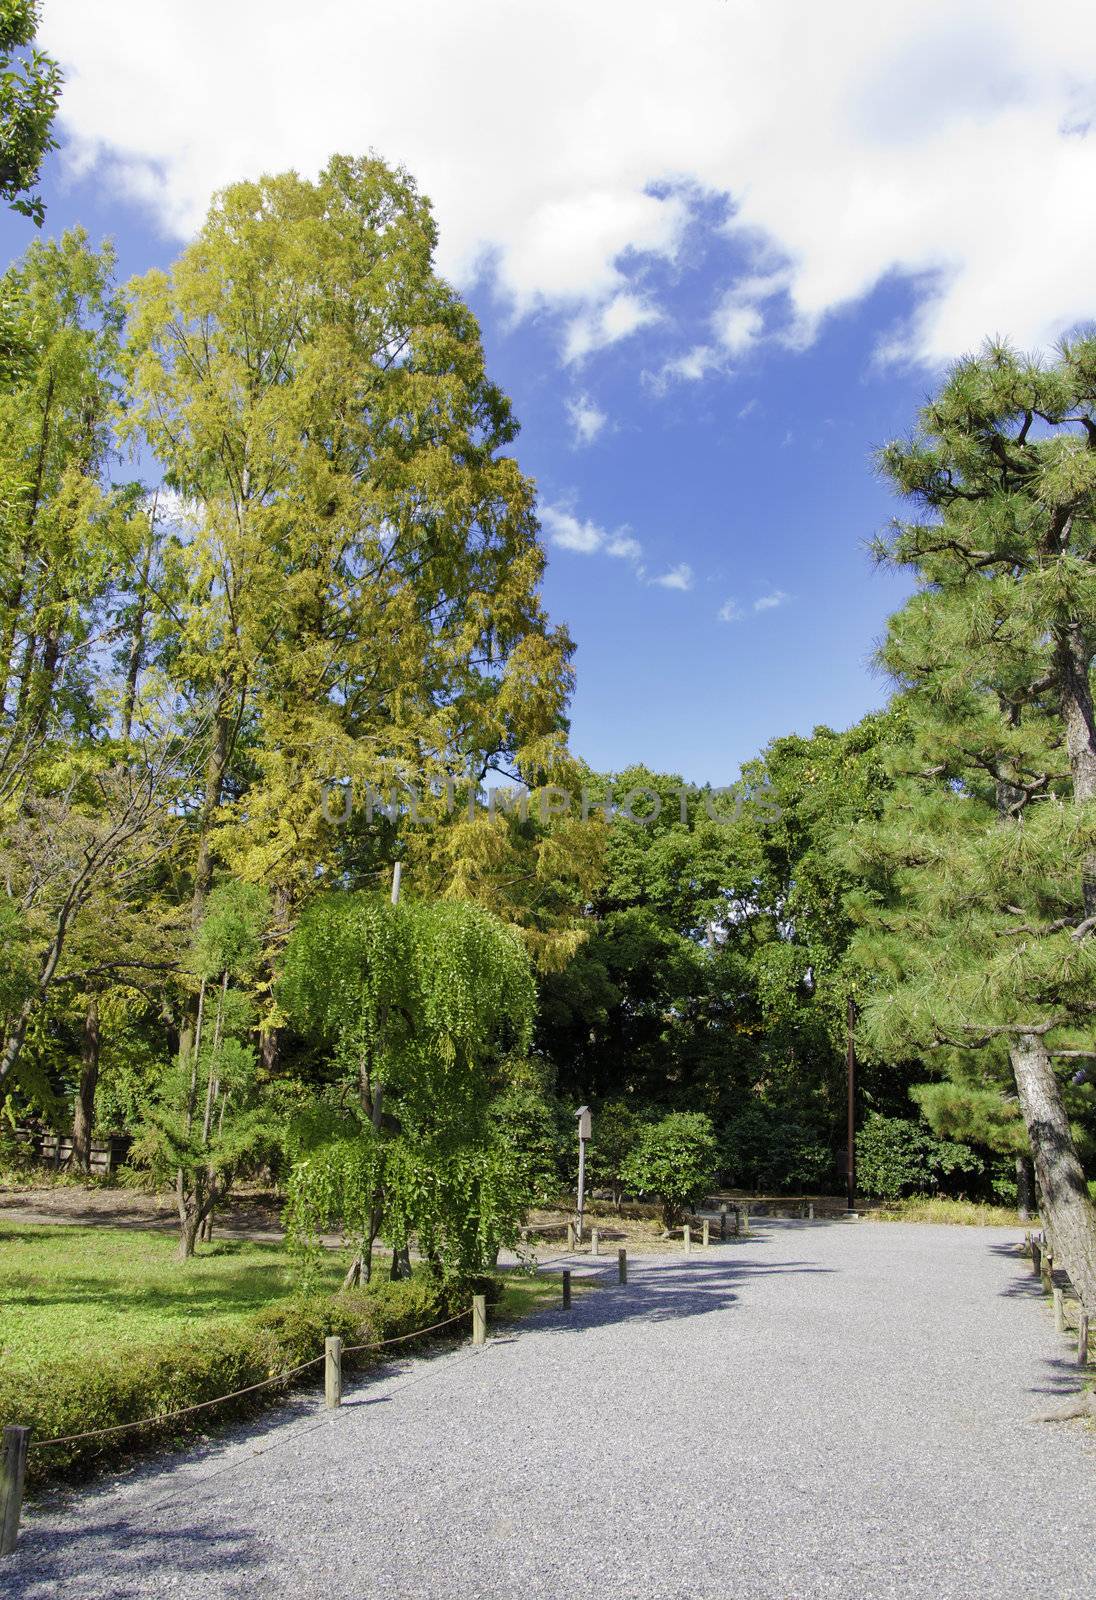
pixel 928 1208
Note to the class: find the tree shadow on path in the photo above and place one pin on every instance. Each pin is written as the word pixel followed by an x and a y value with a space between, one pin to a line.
pixel 663 1291
pixel 119 1557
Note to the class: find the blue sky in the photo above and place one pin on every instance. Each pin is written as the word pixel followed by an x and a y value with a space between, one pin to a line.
pixel 719 253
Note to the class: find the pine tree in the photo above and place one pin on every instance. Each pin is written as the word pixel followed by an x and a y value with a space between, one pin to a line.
pixel 980 879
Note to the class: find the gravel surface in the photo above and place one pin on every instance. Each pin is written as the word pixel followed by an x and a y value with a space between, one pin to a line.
pixel 827 1409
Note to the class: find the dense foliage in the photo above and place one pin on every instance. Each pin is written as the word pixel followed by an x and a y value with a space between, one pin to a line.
pixel 234 696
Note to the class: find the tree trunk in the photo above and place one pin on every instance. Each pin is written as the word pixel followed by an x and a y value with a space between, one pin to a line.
pixel 1067 1210
pixel 189 1222
pixel 216 770
pixel 136 655
pixel 1025 1188
pixel 1072 661
pixel 84 1116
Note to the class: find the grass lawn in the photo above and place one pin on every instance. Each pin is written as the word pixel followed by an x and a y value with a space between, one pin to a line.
pixel 65 1290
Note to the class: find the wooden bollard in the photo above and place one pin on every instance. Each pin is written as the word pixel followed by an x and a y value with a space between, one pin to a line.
pixel 1047 1273
pixel 1026 1247
pixel 570 1236
pixel 479 1319
pixel 566 1290
pixel 13 1471
pixel 1036 1258
pixel 810 1212
pixel 722 1223
pixel 332 1371
pixel 622 1266
pixel 688 1232
pixel 1059 1311
pixel 705 1236
pixel 1082 1344
pixel 746 1222
pixel 594 1242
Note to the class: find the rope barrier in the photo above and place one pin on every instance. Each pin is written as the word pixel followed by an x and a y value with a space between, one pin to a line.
pixel 265 1383
pixel 170 1416
pixel 278 1377
pixel 402 1338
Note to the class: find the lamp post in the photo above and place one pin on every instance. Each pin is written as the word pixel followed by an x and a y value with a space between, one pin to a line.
pixel 583 1115
pixel 850 1063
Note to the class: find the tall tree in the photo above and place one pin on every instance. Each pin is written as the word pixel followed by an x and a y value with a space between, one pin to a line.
pixel 984 907
pixel 65 534
pixel 356 582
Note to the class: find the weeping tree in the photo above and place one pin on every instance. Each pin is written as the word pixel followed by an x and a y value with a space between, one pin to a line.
pixel 979 892
pixel 210 1122
pixel 422 1008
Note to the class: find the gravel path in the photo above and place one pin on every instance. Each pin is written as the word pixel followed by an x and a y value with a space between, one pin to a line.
pixel 822 1410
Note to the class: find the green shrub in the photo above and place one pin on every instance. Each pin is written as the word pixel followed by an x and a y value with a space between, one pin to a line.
pixel 895 1157
pixel 86 1393
pixel 674 1159
pixel 766 1147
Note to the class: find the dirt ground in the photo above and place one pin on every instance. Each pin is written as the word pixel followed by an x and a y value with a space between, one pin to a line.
pixel 244 1217
pixel 257 1216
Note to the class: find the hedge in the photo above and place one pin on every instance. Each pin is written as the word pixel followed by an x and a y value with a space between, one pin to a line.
pixel 94 1391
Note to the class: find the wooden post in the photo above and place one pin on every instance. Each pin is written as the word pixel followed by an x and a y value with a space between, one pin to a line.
pixel 737 1221
pixel 722 1223
pixel 1082 1344
pixel 332 1371
pixel 688 1232
pixel 570 1236
pixel 594 1250
pixel 1059 1312
pixel 706 1237
pixel 1036 1258
pixel 566 1290
pixel 810 1212
pixel 479 1319
pixel 746 1222
pixel 1026 1251
pixel 622 1265
pixel 1048 1272
pixel 13 1470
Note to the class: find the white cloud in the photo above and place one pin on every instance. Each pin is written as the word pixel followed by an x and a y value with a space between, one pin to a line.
pixel 730 611
pixel 566 530
pixel 737 325
pixel 624 547
pixel 747 410
pixel 619 317
pixel 587 418
pixel 945 143
pixel 679 577
pixel 586 538
pixel 688 368
pixel 769 602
